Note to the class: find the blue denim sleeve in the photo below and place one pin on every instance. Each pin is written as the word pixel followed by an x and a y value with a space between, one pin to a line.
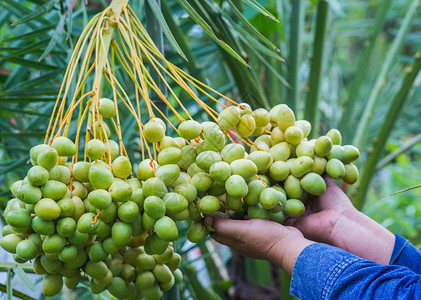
pixel 326 272
pixel 405 254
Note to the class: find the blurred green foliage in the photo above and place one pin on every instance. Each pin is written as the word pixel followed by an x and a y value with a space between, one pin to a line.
pixel 36 41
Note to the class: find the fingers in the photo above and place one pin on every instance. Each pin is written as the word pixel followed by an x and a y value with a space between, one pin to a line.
pixel 228 241
pixel 238 247
pixel 329 181
pixel 331 187
pixel 289 222
pixel 242 230
pixel 222 240
pixel 330 198
pixel 227 227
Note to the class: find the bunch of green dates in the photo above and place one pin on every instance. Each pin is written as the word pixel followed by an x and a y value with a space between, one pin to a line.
pixel 87 221
pixel 114 226
pixel 272 179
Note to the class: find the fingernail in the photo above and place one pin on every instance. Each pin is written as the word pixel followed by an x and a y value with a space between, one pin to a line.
pixel 209 220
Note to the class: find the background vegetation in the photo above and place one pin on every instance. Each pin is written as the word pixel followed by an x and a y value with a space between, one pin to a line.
pixel 342 64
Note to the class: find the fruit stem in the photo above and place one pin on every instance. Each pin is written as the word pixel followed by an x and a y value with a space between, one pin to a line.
pixel 264 183
pixel 102 47
pixel 156 33
pixel 95 218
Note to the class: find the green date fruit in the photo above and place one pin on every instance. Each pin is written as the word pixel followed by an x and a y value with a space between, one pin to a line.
pixel 202 181
pixel 100 178
pixel 118 288
pixel 154 187
pixel 269 198
pixel 229 117
pixel 121 233
pixel 100 199
pixel 64 146
pixel 107 108
pixel 53 283
pixel 10 242
pixel 280 152
pixel 37 176
pixel 279 170
pixel 168 173
pixel 155 245
pixel 243 167
pixel 351 153
pixel 154 131
pixel 351 174
pixel 154 207
pixel 323 146
pixel 232 152
pixel 335 168
pixel 54 190
pixel 189 129
pixel 145 170
pixel 120 191
pixel 301 166
pixel 47 158
pixel 335 136
pixel 246 126
pixel 236 186
pixel 220 171
pixel 283 116
pixel 128 212
pixel 313 184
pixel 207 158
pixel 29 194
pixel 262 160
pixel 166 229
pixel 175 203
pixel 95 149
pixel 121 167
pixel 145 280
pixel 197 233
pixel 255 188
pixel 294 208
pixel 209 204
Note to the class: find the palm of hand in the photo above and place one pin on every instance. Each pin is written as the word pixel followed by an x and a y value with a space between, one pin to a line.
pixel 319 220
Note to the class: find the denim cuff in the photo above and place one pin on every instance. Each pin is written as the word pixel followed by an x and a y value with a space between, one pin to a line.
pixel 405 254
pixel 317 269
pixel 400 244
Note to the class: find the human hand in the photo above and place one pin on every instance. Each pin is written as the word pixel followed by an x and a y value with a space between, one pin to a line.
pixel 260 239
pixel 319 220
pixel 332 219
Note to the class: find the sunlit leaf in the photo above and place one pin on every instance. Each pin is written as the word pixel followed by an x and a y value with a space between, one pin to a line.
pixel 55 38
pixel 36 13
pixel 35 33
pixel 30 63
pixel 250 26
pixel 158 14
pixel 22 275
pixel 256 5
pixel 199 20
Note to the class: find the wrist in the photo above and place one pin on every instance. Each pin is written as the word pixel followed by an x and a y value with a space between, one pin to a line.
pixel 284 252
pixel 341 224
pixel 358 234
